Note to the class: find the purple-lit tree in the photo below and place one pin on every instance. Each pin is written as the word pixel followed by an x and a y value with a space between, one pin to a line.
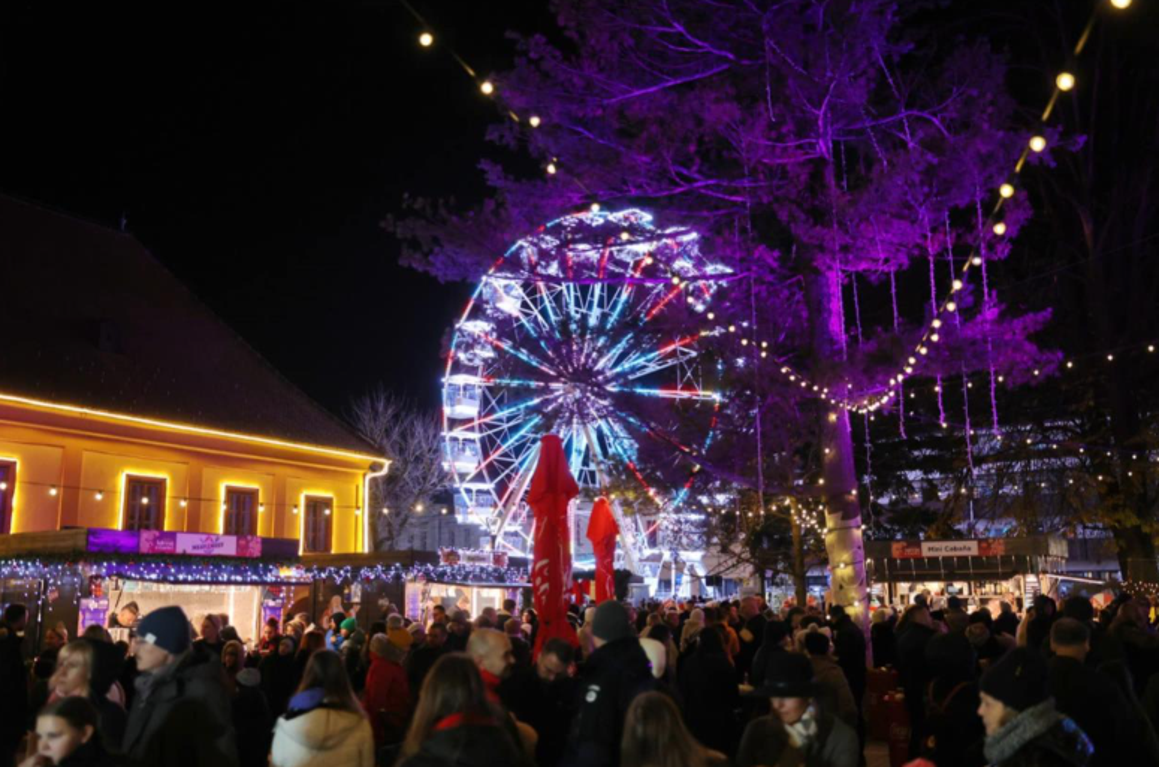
pixel 839 154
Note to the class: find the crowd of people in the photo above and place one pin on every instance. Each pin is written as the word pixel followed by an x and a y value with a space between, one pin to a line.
pixel 663 685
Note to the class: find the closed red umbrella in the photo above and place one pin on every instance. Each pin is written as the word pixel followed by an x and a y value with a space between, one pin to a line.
pixel 552 488
pixel 602 532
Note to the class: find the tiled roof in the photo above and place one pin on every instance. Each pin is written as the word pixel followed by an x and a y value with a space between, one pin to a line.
pixel 89 317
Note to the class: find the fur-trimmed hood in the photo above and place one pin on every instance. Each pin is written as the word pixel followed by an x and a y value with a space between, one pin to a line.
pixel 1039 736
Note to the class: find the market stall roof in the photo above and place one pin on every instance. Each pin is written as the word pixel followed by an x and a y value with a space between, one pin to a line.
pixel 984 559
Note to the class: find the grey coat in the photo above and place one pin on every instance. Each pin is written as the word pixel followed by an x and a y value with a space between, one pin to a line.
pixel 180 716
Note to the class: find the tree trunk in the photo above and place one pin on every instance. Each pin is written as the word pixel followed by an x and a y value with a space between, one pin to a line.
pixel 799 572
pixel 843 542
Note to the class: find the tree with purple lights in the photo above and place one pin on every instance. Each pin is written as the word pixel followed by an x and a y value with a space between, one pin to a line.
pixel 841 156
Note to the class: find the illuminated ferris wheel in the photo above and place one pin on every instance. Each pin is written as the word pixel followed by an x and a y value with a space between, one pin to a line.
pixel 590 329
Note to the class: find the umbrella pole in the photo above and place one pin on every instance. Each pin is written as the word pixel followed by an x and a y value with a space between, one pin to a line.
pixel 625 536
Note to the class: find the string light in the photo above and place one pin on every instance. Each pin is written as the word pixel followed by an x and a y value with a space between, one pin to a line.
pixel 1064 81
pixel 1037 143
pixel 1121 4
pixel 53 491
pixel 551 169
pixel 533 121
pixel 487 87
pixel 1006 191
pixel 100 496
pixel 426 39
pixel 1000 228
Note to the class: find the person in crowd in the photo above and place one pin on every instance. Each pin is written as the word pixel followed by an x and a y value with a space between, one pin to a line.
pixel 251 717
pixel 834 693
pixel 459 629
pixel 87 669
pixel 13 681
pixel 271 637
pixel 324 725
pixel 509 611
pixel 1022 725
pixel 353 641
pixel 514 631
pixel 776 640
pixel 798 731
pixel 1079 608
pixel 1006 622
pixel 334 631
pixel 54 639
pixel 312 642
pixel 751 635
pixel 955 616
pixel 663 635
pixel 278 676
pixel 543 696
pixel 882 638
pixel 180 714
pixel 1146 743
pixel 420 661
pixel 953 734
pixel 210 640
pixel 1038 625
pixel 914 631
pixel 491 651
pixel 849 647
pixel 126 617
pixel 655 736
pixel 232 661
pixel 1132 639
pixel 709 690
pixel 439 614
pixel 615 673
pixel 1091 699
pixel 68 735
pixel 690 629
pixel 456 725
pixel 386 698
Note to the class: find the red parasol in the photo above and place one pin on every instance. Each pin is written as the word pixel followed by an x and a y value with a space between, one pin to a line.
pixel 552 488
pixel 602 532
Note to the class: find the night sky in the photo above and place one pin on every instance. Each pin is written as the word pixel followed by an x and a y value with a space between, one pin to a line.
pixel 255 148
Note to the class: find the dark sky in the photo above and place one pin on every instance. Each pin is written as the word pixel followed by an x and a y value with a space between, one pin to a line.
pixel 254 147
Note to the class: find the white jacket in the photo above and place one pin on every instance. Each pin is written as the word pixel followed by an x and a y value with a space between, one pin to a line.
pixel 324 737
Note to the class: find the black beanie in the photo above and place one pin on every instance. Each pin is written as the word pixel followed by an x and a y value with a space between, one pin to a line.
pixel 611 622
pixel 167 628
pixel 1018 680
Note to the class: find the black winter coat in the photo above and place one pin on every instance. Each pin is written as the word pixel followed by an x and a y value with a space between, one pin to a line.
pixel 610 680
pixel 91 754
pixel 181 716
pixel 1098 707
pixel 470 745
pixel 711 698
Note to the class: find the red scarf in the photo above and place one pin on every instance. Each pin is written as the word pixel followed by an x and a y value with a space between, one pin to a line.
pixel 461 719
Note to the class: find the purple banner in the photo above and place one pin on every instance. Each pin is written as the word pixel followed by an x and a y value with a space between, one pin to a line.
pixel 113 541
pixel 158 542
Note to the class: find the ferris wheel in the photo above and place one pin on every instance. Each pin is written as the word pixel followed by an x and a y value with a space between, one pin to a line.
pixel 590 328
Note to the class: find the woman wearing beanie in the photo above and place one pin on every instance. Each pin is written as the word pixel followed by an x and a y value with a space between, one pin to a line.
pixel 1023 729
pixel 798 731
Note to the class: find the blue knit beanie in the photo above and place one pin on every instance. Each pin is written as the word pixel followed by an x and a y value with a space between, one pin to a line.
pixel 167 628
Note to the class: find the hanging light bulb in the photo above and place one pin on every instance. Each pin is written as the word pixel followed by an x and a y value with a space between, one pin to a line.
pixel 1064 81
pixel 426 39
pixel 977 261
pixel 956 285
pixel 99 495
pixel 385 510
pixel 52 491
pixel 487 87
pixel 1121 4
pixel 951 306
pixel 1000 228
pixel 550 169
pixel 326 511
pixel 1006 191
pixel 1037 143
pixel 533 121
pixel 183 503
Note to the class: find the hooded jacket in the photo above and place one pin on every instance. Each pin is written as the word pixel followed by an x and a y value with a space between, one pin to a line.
pixel 611 679
pixel 322 737
pixel 181 716
pixel 1039 737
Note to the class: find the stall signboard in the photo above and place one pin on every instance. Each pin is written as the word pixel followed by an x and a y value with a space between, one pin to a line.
pixel 194 544
pixel 920 549
pixel 484 557
pixel 92 612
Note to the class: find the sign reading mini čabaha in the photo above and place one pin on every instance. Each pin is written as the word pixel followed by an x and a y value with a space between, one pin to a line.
pixel 991 547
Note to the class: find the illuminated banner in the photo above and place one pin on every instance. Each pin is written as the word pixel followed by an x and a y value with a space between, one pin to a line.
pixel 916 549
pixel 192 544
pixel 473 557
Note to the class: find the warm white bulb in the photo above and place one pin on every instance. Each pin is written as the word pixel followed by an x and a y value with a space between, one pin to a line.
pixel 1006 190
pixel 487 87
pixel 936 323
pixel 977 261
pixel 261 507
pixel 426 39
pixel 551 169
pixel 1000 228
pixel 595 208
pixel 923 350
pixel 54 491
pixel 99 495
pixel 1064 81
pixel 184 503
pixel 533 121
pixel 3 485
pixel 144 501
pixel 957 284
pixel 1121 4
pixel 951 306
pixel 326 511
pixel 934 337
pixel 1037 143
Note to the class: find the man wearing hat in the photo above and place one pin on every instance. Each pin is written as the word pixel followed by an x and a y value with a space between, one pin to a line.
pixel 614 674
pixel 181 713
pixel 1022 725
pixel 798 731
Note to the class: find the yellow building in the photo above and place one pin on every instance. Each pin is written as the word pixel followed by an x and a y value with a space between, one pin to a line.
pixel 126 404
